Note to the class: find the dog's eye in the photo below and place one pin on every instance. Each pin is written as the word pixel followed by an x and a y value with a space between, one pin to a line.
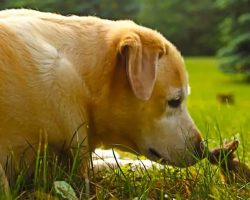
pixel 174 103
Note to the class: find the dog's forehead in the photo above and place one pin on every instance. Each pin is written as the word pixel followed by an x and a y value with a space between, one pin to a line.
pixel 172 76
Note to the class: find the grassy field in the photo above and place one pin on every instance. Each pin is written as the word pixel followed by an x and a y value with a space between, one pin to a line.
pixel 213 118
pixel 216 121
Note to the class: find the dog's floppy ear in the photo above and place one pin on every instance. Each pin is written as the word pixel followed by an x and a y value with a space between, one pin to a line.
pixel 141 63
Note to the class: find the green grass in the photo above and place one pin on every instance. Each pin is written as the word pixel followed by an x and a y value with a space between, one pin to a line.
pixel 216 122
pixel 223 120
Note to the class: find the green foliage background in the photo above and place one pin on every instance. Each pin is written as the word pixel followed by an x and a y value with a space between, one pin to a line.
pixel 235 34
pixel 191 24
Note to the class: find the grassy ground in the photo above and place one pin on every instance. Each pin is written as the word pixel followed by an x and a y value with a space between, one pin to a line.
pixel 213 118
pixel 203 181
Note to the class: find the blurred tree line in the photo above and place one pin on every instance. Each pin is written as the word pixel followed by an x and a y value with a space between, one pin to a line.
pixel 195 27
pixel 191 24
pixel 235 37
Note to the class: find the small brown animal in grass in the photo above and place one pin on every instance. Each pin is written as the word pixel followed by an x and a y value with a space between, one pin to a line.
pixel 232 169
pixel 226 98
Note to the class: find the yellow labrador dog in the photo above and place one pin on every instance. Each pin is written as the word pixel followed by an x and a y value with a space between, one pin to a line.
pixel 92 81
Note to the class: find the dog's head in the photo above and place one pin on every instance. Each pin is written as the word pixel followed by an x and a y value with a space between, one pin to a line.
pixel 144 109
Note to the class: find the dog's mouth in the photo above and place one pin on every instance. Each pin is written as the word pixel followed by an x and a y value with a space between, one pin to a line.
pixel 157 156
pixel 180 162
pixel 154 153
